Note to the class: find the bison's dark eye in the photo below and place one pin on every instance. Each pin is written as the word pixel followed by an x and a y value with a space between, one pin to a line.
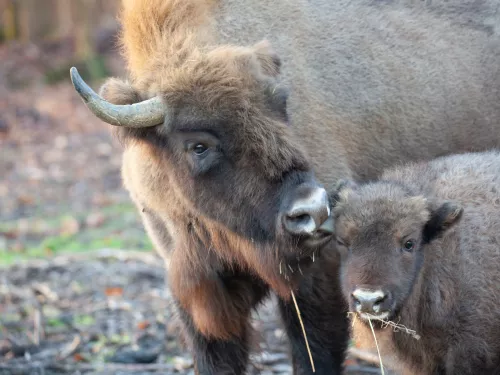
pixel 409 245
pixel 200 149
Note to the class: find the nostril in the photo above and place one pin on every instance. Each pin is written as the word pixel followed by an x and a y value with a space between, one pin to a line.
pixel 300 219
pixel 308 211
pixel 299 223
pixel 356 301
pixel 377 304
pixel 368 301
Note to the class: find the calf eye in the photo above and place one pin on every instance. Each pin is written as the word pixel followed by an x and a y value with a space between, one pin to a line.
pixel 200 149
pixel 409 245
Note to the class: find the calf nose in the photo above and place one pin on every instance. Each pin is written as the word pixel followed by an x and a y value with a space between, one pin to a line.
pixel 307 213
pixel 369 301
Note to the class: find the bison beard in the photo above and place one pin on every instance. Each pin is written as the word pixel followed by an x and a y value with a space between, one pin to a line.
pixel 215 316
pixel 325 325
pixel 324 320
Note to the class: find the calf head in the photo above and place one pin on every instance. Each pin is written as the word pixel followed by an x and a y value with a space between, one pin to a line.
pixel 381 231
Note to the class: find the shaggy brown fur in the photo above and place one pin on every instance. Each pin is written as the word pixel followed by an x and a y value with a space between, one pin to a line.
pixel 447 287
pixel 372 84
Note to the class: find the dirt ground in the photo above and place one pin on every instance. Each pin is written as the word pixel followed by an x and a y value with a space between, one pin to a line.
pixel 81 291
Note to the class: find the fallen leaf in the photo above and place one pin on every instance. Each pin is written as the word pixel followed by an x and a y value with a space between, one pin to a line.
pixel 25 200
pixel 350 362
pixel 10 234
pixel 114 291
pixel 78 357
pixel 143 325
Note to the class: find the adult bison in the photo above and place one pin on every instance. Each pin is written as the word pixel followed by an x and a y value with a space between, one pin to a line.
pixel 220 159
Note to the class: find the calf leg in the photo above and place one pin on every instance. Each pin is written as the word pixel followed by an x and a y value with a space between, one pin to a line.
pixel 324 314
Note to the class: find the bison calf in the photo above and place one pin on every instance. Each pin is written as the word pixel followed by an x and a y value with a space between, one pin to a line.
pixel 420 247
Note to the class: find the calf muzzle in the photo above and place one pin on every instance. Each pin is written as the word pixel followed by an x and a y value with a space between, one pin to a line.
pixel 371 302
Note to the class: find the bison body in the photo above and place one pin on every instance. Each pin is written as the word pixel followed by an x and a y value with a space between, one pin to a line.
pixel 420 248
pixel 231 143
pixel 374 82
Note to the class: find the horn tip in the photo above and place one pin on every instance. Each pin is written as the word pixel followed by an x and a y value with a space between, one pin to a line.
pixel 79 84
pixel 74 74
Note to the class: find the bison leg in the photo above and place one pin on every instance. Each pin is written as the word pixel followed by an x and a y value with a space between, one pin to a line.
pixel 221 356
pixel 324 314
pixel 213 356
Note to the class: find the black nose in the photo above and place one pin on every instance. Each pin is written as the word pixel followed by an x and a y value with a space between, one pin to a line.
pixel 308 212
pixel 370 301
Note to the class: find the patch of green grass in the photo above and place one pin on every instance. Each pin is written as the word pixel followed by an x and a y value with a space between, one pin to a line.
pixel 55 323
pixel 84 320
pixel 121 228
pixel 120 339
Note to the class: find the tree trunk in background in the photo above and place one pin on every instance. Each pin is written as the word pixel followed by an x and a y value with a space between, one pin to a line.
pixel 8 13
pixel 76 26
pixel 87 13
pixel 85 10
pixel 64 18
pixel 34 20
pixel 26 21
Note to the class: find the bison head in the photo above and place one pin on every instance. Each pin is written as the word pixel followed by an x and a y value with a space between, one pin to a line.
pixel 382 231
pixel 208 150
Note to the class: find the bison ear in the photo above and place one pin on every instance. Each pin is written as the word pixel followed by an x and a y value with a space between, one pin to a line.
pixel 119 92
pixel 270 62
pixel 441 219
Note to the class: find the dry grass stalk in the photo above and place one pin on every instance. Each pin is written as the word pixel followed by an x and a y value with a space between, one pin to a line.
pixel 303 331
pixel 70 348
pixel 378 350
pixel 399 328
pixel 396 327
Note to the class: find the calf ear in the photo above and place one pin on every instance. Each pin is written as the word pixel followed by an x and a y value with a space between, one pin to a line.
pixel 269 60
pixel 341 186
pixel 441 219
pixel 119 92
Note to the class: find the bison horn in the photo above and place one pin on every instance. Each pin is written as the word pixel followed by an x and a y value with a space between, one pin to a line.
pixel 148 113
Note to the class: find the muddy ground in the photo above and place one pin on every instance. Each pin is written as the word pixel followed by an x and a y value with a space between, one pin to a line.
pixel 81 291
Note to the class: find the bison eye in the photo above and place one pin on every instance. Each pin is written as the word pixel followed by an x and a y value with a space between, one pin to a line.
pixel 409 245
pixel 200 149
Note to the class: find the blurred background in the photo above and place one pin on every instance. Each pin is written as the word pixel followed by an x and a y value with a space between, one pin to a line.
pixel 60 184
pixel 81 291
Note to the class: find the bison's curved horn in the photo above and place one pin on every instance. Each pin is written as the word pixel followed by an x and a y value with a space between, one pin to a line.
pixel 148 113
